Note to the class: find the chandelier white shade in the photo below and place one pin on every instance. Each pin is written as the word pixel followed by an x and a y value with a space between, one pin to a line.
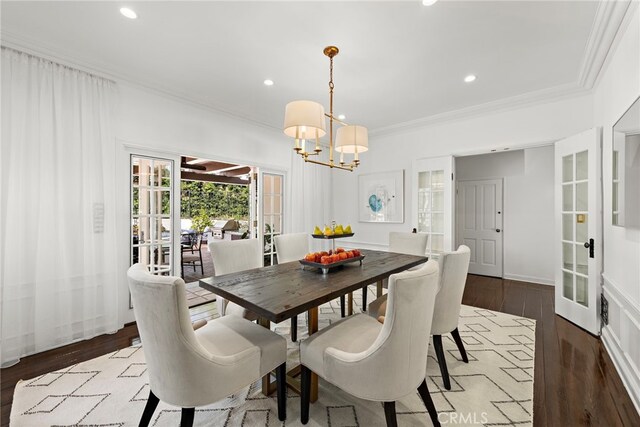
pixel 304 120
pixel 352 139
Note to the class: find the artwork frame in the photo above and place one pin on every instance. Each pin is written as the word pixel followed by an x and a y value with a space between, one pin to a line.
pixel 381 197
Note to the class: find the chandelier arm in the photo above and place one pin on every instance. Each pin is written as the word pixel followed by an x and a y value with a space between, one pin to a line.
pixel 330 164
pixel 343 123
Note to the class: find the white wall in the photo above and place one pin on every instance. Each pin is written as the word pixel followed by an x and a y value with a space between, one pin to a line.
pixel 516 128
pixel 528 194
pixel 617 89
pixel 149 123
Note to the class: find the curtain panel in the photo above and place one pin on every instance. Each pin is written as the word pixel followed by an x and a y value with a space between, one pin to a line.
pixel 57 212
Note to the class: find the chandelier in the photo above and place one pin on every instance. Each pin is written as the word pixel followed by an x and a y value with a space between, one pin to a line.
pixel 305 121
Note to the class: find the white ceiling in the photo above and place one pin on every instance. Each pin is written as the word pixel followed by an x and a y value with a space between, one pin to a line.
pixel 399 61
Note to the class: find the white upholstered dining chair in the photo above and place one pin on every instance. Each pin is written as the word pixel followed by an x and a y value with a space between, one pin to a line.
pixel 408 243
pixel 453 277
pixel 289 248
pixel 232 256
pixel 374 361
pixel 190 368
pixel 454 267
pixel 404 243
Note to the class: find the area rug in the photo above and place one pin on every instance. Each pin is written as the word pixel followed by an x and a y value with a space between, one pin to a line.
pixel 494 388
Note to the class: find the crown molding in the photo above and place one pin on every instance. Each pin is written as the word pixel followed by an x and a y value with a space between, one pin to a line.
pixel 42 50
pixel 606 25
pixel 569 90
pixel 608 20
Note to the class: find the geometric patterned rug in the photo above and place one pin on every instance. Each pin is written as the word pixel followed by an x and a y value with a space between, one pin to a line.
pixel 494 388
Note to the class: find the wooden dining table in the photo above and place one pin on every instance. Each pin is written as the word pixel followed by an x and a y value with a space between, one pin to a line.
pixel 277 293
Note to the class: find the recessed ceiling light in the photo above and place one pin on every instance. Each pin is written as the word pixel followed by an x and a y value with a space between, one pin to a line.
pixel 342 117
pixel 268 82
pixel 125 11
pixel 470 78
pixel 428 2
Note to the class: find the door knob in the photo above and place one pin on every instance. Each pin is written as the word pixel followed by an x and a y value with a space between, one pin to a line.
pixel 497 230
pixel 589 245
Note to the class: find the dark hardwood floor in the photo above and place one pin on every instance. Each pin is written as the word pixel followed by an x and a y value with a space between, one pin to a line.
pixel 575 380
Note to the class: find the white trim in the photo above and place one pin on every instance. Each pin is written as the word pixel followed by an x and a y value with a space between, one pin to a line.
pixel 616 345
pixel 173 151
pixel 525 146
pixel 606 25
pixel 622 28
pixel 530 279
pixel 555 93
pixel 629 305
pixel 622 366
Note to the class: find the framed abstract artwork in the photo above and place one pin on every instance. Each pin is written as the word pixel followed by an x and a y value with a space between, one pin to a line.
pixel 381 197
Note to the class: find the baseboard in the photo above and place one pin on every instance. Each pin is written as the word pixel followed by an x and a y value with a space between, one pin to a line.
pixel 531 279
pixel 621 337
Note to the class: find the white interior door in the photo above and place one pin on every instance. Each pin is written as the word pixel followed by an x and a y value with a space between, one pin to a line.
pixel 433 202
pixel 578 228
pixel 480 224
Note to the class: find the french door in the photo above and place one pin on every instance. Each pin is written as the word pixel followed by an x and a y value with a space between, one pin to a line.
pixel 270 211
pixel 152 213
pixel 578 204
pixel 479 220
pixel 433 202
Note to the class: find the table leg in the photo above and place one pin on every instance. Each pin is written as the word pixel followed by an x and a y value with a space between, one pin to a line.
pixel 313 328
pixel 268 387
pixel 350 304
pixel 379 289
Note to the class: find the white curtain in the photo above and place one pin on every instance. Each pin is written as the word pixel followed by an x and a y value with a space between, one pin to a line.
pixel 310 196
pixel 57 216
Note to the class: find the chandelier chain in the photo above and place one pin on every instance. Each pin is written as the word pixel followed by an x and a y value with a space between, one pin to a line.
pixel 331 86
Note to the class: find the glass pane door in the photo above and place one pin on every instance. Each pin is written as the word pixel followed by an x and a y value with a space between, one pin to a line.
pixel 272 210
pixel 433 199
pixel 431 208
pixel 578 211
pixel 151 214
pixel 575 218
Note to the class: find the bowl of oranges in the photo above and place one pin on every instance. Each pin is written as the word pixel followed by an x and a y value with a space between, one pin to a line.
pixel 326 260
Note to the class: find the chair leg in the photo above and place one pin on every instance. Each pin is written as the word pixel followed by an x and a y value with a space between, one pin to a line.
pixel 456 337
pixel 201 264
pixel 305 393
pixel 281 386
pixel 186 420
pixel 342 306
pixel 428 402
pixel 390 414
pixel 364 298
pixel 149 409
pixel 437 345
pixel 294 328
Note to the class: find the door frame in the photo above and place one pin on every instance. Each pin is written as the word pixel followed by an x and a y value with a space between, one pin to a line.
pixel 458 221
